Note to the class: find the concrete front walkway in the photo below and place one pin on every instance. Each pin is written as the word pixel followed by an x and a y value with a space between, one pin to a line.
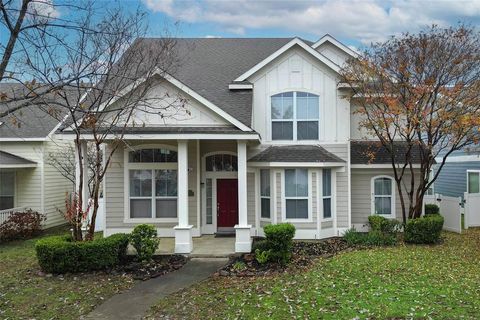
pixel 134 303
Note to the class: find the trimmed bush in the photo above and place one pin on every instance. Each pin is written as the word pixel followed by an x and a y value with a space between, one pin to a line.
pixel 372 238
pixel 426 229
pixel 144 240
pixel 279 242
pixel 382 224
pixel 60 254
pixel 21 225
pixel 432 209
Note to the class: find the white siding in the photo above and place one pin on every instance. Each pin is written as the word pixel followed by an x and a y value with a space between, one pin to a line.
pixel 295 70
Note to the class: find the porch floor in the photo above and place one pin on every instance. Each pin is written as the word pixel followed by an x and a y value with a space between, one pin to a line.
pixel 204 246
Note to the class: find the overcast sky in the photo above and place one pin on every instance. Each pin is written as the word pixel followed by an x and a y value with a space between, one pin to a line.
pixel 355 22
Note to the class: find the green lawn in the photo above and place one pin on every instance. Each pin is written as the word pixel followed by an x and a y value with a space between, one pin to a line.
pixel 26 295
pixel 422 282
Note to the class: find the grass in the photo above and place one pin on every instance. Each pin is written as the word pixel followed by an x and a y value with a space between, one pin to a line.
pixel 421 282
pixel 24 294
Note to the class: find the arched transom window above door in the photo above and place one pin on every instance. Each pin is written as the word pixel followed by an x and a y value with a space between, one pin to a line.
pixel 295 116
pixel 221 162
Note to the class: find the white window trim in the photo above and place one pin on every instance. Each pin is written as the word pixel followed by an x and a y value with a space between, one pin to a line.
pixel 372 189
pixel 146 166
pixel 308 198
pixel 294 119
pixel 331 197
pixel 271 198
pixel 468 184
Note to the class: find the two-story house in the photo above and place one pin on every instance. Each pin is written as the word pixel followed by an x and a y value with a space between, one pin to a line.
pixel 269 137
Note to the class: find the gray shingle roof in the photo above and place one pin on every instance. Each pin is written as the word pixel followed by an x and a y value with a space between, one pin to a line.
pixel 373 152
pixel 175 130
pixel 296 153
pixel 11 159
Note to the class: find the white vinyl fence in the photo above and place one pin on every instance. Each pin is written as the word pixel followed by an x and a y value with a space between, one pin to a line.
pixel 100 219
pixel 450 209
pixel 472 210
pixel 4 214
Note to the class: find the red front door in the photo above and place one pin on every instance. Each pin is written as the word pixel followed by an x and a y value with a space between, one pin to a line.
pixel 227 202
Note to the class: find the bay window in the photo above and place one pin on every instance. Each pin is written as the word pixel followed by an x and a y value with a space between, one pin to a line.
pixel 383 196
pixel 296 193
pixel 295 116
pixel 152 177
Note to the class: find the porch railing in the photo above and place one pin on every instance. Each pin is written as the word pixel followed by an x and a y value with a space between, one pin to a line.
pixel 4 214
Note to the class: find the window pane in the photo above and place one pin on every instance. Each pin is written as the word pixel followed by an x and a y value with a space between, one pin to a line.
pixel 296 183
pixel 327 182
pixel 327 208
pixel 307 130
pixel 383 186
pixel 140 208
pixel 282 130
pixel 265 213
pixel 302 182
pixel 290 178
pixel 313 106
pixel 221 162
pixel 166 183
pixel 277 111
pixel 383 205
pixel 296 209
pixel 473 182
pixel 6 202
pixel 282 106
pixel 302 106
pixel 265 182
pixel 288 106
pixel 7 183
pixel 152 155
pixel 164 155
pixel 209 201
pixel 140 183
pixel 166 208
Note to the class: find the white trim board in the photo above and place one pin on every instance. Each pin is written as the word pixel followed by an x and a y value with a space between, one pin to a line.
pixel 276 54
pixel 336 43
pixel 171 136
pixel 379 166
pixel 296 164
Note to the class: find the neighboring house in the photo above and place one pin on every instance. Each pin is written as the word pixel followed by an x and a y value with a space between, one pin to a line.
pixel 461 173
pixel 270 137
pixel 27 180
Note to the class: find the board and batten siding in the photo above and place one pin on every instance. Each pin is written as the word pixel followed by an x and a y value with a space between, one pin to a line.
pixel 56 185
pixel 362 194
pixel 115 188
pixel 295 70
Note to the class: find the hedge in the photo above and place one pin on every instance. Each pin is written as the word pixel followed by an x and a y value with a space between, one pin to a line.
pixel 59 254
pixel 426 229
pixel 278 242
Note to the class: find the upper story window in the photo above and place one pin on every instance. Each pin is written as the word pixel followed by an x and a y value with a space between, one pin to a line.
pixel 295 116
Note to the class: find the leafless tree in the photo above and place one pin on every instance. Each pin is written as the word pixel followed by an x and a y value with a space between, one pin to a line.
pixel 421 90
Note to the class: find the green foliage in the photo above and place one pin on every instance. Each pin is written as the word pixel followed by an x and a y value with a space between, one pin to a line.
pixel 261 245
pixel 372 238
pixel 279 239
pixel 239 266
pixel 59 254
pixel 144 240
pixel 262 257
pixel 432 209
pixel 426 229
pixel 382 224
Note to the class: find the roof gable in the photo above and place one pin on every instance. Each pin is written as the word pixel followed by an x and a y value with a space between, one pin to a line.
pixel 329 39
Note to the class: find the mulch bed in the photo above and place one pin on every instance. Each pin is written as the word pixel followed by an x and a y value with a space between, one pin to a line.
pixel 159 266
pixel 304 253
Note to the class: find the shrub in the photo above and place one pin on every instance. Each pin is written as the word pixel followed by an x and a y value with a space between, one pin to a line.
pixel 262 257
pixel 239 266
pixel 372 238
pixel 432 209
pixel 144 240
pixel 426 229
pixel 279 240
pixel 384 225
pixel 21 225
pixel 352 236
pixel 60 254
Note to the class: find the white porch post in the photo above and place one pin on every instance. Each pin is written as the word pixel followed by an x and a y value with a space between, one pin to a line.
pixel 84 191
pixel 183 231
pixel 243 241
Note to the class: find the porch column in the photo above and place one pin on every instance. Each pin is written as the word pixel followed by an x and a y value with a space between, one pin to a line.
pixel 183 231
pixel 243 241
pixel 84 164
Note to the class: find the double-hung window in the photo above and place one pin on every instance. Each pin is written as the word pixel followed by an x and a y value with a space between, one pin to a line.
pixel 295 116
pixel 153 183
pixel 265 193
pixel 327 193
pixel 383 197
pixel 7 189
pixel 296 193
pixel 473 181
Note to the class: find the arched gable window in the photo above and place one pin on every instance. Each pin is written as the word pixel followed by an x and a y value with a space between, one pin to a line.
pixel 152 175
pixel 295 116
pixel 221 162
pixel 383 196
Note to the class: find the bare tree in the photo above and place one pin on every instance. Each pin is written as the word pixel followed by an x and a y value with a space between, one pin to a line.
pixel 421 90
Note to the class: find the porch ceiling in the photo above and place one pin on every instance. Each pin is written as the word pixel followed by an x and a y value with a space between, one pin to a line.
pixel 8 160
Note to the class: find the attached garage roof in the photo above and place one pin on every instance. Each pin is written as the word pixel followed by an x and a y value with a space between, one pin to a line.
pixel 373 152
pixel 296 153
pixel 8 160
